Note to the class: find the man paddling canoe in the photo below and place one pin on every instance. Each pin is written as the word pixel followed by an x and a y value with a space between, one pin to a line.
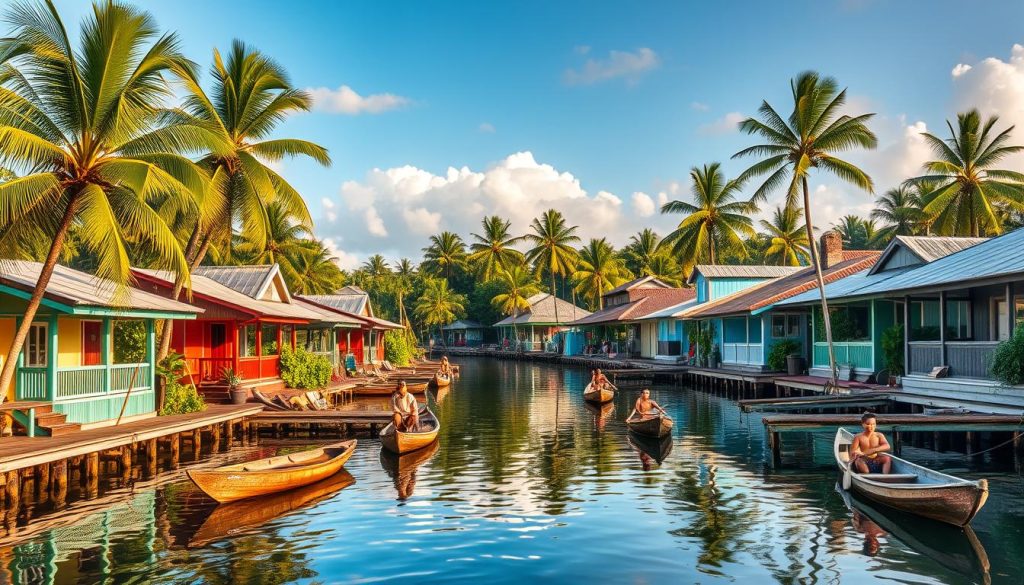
pixel 867 452
pixel 405 412
pixel 645 407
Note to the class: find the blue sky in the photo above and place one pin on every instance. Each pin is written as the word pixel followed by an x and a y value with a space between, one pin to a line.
pixel 472 84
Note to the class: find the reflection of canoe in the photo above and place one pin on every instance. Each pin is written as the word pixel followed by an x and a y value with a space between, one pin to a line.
pixel 400 442
pixel 657 449
pixel 601 411
pixel 656 425
pixel 955 548
pixel 600 396
pixel 440 381
pixel 228 519
pixel 267 476
pixel 402 468
pixel 916 489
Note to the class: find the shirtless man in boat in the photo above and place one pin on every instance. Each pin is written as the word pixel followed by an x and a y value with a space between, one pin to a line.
pixel 645 407
pixel 446 368
pixel 405 412
pixel 867 452
pixel 600 380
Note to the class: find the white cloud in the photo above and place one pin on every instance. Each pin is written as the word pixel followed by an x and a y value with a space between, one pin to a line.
pixel 392 211
pixel 699 106
pixel 994 87
pixel 727 124
pixel 960 69
pixel 619 64
pixel 346 100
pixel 346 260
pixel 486 128
pixel 329 213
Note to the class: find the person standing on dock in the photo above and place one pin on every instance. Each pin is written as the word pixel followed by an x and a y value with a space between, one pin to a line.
pixel 867 453
pixel 645 407
pixel 405 411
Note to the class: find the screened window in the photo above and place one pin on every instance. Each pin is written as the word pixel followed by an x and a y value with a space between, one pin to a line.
pixel 302 338
pixel 286 334
pixel 247 341
pixel 269 340
pixel 849 323
pixel 785 325
pixel 924 320
pixel 35 346
pixel 958 319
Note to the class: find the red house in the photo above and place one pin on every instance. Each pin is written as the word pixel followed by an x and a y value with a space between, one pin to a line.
pixel 366 344
pixel 248 316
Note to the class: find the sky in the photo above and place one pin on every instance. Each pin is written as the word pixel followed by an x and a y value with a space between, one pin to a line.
pixel 436 114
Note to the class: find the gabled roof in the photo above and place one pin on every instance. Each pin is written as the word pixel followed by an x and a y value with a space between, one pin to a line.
pixel 251 281
pixel 647 301
pixel 845 288
pixel 926 248
pixel 328 315
pixel 215 292
pixel 766 294
pixel 463 324
pixel 643 281
pixel 542 311
pixel 741 271
pixel 349 302
pixel 80 291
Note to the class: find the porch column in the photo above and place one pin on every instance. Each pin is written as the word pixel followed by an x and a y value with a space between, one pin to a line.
pixel 105 353
pixel 334 345
pixel 259 340
pixel 280 339
pixel 942 325
pixel 150 352
pixel 1011 310
pixel 906 334
pixel 746 332
pixel 51 358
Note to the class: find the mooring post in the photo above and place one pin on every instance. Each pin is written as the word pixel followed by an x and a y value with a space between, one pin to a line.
pixel 197 444
pixel 59 473
pixel 12 491
pixel 151 457
pixel 775 444
pixel 42 473
pixel 175 445
pixel 125 461
pixel 897 442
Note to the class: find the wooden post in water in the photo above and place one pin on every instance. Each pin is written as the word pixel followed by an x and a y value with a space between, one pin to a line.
pixel 215 438
pixel 775 445
pixel 125 461
pixel 91 476
pixel 197 444
pixel 151 457
pixel 12 491
pixel 175 444
pixel 42 473
pixel 59 473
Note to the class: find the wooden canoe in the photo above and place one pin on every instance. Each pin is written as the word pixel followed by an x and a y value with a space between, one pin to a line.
pixel 229 519
pixel 386 389
pixel 440 381
pixel 398 442
pixel 955 547
pixel 914 488
pixel 600 396
pixel 262 399
pixel 276 474
pixel 656 425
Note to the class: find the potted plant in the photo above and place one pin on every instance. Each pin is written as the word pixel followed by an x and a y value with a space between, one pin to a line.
pixel 233 381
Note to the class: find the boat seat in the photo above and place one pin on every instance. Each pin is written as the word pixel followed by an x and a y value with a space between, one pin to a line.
pixel 891 477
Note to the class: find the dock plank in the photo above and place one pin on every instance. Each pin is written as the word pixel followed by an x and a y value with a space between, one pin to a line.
pixel 323 416
pixel 915 422
pixel 796 402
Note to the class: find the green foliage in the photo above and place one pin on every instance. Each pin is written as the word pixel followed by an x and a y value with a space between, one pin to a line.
pixel 1008 360
pixel 129 341
pixel 399 347
pixel 702 338
pixel 892 349
pixel 178 398
pixel 777 356
pixel 305 370
pixel 479 307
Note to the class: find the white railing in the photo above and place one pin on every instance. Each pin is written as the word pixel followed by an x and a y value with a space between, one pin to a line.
pixel 743 353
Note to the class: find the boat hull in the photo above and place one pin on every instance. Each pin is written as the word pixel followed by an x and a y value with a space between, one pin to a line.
pixel 440 381
pixel 277 474
pixel 935 495
pixel 656 426
pixel 398 442
pixel 598 396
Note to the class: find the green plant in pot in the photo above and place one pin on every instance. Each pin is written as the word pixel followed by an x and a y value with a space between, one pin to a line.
pixel 892 352
pixel 780 351
pixel 233 381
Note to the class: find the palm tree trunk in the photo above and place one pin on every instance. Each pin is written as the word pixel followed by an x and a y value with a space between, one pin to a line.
pixel 179 285
pixel 711 247
pixel 7 374
pixel 554 298
pixel 816 261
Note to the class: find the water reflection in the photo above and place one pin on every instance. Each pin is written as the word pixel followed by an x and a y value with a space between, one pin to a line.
pixel 652 450
pixel 402 468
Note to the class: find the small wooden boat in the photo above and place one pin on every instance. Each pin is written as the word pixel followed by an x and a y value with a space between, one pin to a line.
pixel 400 442
pixel 276 474
pixel 655 425
pixel 230 519
pixel 440 381
pixel 913 488
pixel 386 389
pixel 599 396
pixel 262 399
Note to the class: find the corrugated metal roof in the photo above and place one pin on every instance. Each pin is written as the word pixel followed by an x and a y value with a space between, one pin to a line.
pixel 348 302
pixel 645 301
pixel 670 311
pixel 328 315
pixel 845 288
pixel 75 288
pixel 931 248
pixel 462 324
pixel 542 310
pixel 744 271
pixel 248 280
pixel 648 281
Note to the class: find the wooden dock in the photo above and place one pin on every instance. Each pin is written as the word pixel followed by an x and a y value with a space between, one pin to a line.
pixel 817 384
pixel 342 420
pixel 857 400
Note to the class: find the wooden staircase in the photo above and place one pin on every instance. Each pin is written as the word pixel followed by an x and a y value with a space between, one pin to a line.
pixel 217 392
pixel 47 422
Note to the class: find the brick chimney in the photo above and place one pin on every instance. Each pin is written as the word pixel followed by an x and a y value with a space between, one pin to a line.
pixel 831 249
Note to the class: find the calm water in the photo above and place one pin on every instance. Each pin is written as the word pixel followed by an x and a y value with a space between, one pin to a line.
pixel 529 483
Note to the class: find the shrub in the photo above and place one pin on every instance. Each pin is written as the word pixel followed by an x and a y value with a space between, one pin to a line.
pixel 129 341
pixel 892 349
pixel 178 398
pixel 1008 359
pixel 304 370
pixel 399 347
pixel 777 356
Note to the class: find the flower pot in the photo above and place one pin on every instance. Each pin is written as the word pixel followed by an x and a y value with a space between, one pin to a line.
pixel 239 395
pixel 794 365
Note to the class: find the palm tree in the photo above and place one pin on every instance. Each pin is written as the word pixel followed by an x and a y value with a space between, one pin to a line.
pixel 859 233
pixel 968 190
pixel 492 251
pixel 404 273
pixel 900 209
pixel 284 242
pixel 814 132
pixel 438 305
pixel 250 96
pixel 641 251
pixel 599 270
pixel 80 125
pixel 517 285
pixel 665 268
pixel 789 241
pixel 715 221
pixel 445 252
pixel 552 250
pixel 317 271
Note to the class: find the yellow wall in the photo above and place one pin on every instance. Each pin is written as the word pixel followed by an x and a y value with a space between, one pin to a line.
pixel 69 342
pixel 6 336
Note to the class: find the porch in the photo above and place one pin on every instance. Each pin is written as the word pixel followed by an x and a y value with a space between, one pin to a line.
pixel 742 341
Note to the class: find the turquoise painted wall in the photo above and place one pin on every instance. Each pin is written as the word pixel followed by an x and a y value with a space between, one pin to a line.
pixel 721 287
pixel 770 342
pixel 702 288
pixel 107 407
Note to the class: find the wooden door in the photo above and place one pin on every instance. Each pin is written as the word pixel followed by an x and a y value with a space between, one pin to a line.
pixel 92 343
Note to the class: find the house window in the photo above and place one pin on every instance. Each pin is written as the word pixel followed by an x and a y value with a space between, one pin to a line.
pixel 850 323
pixel 303 339
pixel 785 326
pixel 924 320
pixel 286 335
pixel 958 319
pixel 36 344
pixel 247 341
pixel 269 339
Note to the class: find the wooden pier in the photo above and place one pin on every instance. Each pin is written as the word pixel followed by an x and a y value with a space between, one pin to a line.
pixel 341 420
pixel 843 401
